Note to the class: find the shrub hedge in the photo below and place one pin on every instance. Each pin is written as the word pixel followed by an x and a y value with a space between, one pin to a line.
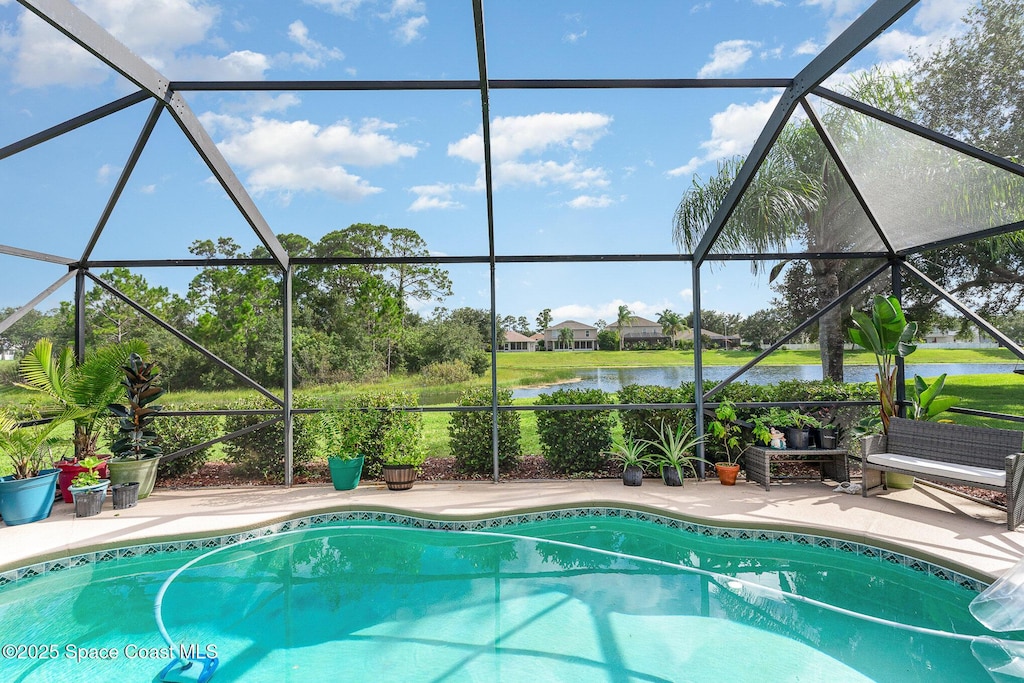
pixel 471 439
pixel 575 441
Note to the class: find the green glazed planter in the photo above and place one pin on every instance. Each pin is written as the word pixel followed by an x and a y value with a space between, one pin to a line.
pixel 895 480
pixel 345 473
pixel 142 471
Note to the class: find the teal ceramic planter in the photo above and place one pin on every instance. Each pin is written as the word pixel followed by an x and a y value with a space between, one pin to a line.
pixel 345 473
pixel 27 500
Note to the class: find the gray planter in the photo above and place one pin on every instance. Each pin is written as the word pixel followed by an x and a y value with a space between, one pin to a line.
pixel 125 495
pixel 141 471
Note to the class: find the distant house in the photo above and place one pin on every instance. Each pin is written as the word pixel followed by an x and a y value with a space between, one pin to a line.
pixel 641 331
pixel 713 340
pixel 584 337
pixel 518 342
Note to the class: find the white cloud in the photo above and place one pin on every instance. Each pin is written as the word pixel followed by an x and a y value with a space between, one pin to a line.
pixel 236 66
pixel 808 47
pixel 345 8
pixel 159 31
pixel 147 189
pixel 516 137
pixel 104 173
pixel 437 196
pixel 300 156
pixel 607 311
pixel 700 7
pixel 728 57
pixel 314 54
pixel 592 202
pixel 733 131
pixel 686 294
pixel 574 38
pixel 770 3
pixel 411 29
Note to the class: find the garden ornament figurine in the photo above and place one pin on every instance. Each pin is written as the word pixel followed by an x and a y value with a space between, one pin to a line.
pixel 778 440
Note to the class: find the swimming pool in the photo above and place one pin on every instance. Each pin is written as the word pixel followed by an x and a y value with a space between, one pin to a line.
pixel 575 595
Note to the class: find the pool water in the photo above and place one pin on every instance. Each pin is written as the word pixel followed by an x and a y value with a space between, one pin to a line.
pixel 565 600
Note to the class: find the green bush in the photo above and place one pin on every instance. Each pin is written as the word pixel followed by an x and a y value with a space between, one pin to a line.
pixel 450 372
pixel 261 452
pixel 646 423
pixel 471 434
pixel 392 436
pixel 480 363
pixel 181 432
pixel 574 441
pixel 608 340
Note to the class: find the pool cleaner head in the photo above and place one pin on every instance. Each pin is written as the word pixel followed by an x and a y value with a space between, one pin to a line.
pixel 199 669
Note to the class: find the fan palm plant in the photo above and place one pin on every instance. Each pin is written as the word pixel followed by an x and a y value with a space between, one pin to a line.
pixel 86 388
pixel 31 447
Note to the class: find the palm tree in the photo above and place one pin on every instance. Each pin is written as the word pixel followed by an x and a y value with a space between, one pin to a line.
pixel 86 389
pixel 566 336
pixel 671 324
pixel 624 320
pixel 797 195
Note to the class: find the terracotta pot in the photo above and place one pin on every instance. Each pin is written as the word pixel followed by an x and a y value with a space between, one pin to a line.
pixel 727 473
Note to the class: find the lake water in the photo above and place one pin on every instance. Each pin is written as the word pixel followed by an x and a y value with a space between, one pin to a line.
pixel 612 379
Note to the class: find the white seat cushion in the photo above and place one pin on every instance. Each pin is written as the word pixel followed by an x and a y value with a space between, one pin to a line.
pixel 924 467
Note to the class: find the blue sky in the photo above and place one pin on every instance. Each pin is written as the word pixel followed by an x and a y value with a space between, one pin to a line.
pixel 596 171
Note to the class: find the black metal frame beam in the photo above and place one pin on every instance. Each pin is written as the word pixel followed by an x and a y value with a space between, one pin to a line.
pixel 844 170
pixel 122 181
pixel 877 18
pixel 497 84
pixel 181 336
pixel 21 312
pixel 800 328
pixel 73 124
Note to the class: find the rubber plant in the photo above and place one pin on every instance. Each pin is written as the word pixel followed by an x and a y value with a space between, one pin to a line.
pixel 888 335
pixel 136 439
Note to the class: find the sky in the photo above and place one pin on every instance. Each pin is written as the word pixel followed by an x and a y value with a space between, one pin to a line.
pixel 575 171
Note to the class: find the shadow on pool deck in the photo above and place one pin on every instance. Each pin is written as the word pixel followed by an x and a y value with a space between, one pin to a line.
pixel 922 521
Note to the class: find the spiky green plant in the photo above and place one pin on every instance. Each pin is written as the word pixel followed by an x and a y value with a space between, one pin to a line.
pixel 675 449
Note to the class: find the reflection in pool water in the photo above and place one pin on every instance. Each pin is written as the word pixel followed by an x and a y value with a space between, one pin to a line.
pixel 575 600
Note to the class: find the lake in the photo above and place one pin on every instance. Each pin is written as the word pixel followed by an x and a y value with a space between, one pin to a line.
pixel 612 379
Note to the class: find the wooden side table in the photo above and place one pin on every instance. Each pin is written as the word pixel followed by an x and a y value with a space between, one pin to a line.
pixel 757 462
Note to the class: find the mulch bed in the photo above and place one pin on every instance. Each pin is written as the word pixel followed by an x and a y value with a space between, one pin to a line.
pixel 443 469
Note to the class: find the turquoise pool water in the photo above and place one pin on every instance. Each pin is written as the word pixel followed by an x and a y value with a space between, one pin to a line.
pixel 560 600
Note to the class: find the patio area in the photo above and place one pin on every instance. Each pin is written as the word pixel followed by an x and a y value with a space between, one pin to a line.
pixel 924 522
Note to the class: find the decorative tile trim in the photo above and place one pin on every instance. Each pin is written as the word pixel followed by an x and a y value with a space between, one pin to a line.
pixel 499 523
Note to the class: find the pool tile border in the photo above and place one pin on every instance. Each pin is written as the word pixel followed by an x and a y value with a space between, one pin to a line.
pixel 883 555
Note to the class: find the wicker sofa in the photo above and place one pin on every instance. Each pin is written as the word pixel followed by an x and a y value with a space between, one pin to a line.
pixel 949 453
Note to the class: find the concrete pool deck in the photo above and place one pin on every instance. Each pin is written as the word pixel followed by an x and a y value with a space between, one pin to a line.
pixel 925 522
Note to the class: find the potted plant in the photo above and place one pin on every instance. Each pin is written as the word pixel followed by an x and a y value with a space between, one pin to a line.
pixel 401 456
pixel 88 489
pixel 88 387
pixel 340 436
pixel 631 455
pixel 27 494
pixel 675 452
pixel 888 335
pixel 136 453
pixel 724 432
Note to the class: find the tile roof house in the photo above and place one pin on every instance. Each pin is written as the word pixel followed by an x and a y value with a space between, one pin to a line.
pixel 584 337
pixel 515 341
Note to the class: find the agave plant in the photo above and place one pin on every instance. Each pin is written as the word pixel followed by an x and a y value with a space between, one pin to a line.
pixel 136 439
pixel 88 388
pixel 629 453
pixel 675 449
pixel 888 335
